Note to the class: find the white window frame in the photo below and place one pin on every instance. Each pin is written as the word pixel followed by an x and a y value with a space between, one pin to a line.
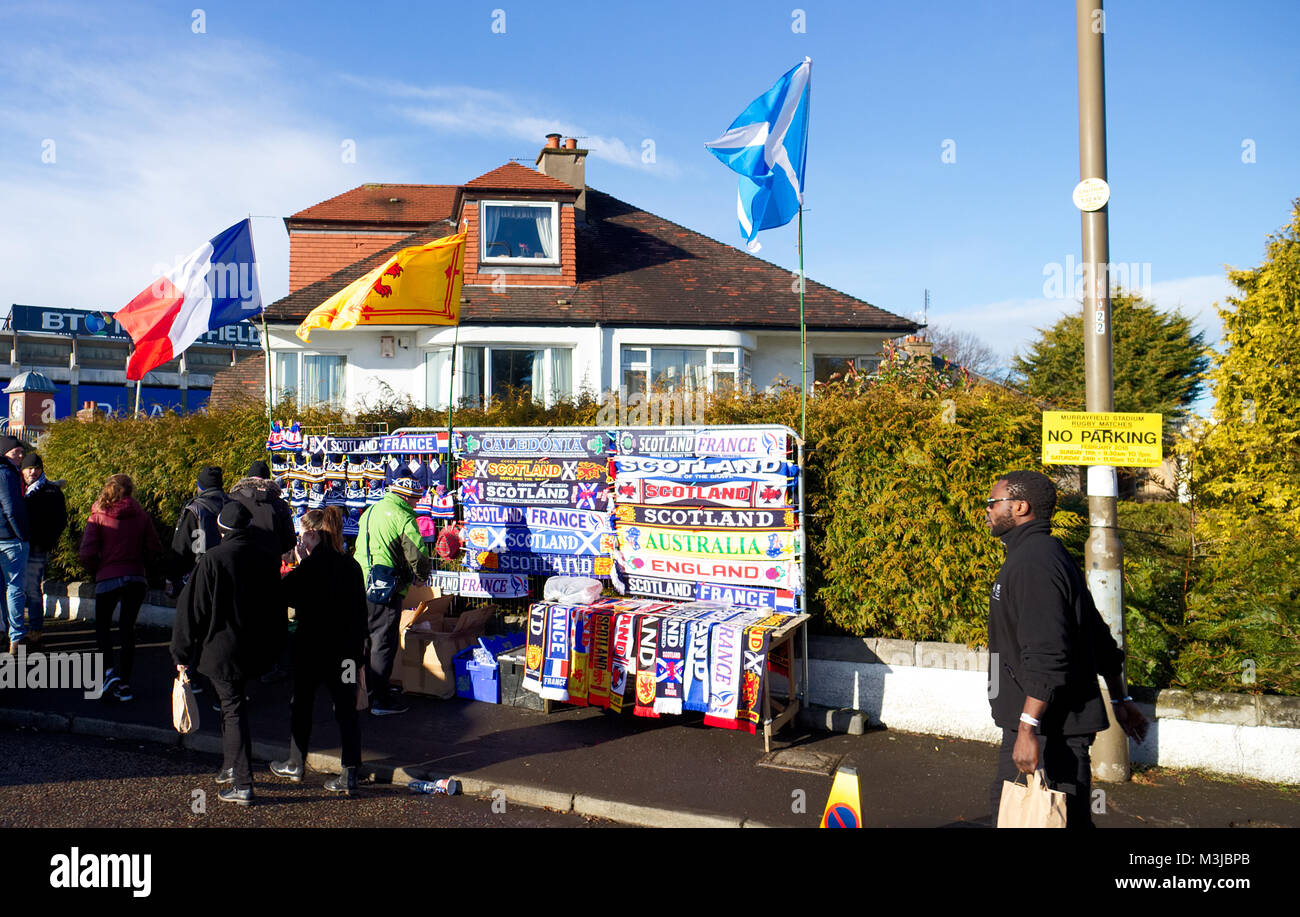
pixel 296 356
pixel 741 366
pixel 503 259
pixel 863 364
pixel 458 393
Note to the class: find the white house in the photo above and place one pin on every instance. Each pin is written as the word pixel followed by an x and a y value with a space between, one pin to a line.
pixel 566 289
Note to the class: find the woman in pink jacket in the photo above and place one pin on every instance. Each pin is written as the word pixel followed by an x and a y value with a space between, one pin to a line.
pixel 119 541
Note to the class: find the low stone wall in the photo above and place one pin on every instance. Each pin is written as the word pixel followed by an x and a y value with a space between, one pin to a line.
pixel 942 689
pixel 76 601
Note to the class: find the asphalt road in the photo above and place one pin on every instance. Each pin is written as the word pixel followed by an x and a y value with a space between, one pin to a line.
pixel 71 781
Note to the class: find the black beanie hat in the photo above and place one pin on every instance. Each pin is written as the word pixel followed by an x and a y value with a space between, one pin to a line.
pixel 10 443
pixel 259 469
pixel 33 460
pixel 234 517
pixel 210 476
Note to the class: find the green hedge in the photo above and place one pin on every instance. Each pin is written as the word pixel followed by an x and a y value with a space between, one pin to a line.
pixel 897 469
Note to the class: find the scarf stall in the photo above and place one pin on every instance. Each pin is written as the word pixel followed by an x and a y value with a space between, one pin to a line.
pixel 698 529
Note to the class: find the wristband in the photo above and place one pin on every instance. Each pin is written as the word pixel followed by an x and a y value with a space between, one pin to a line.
pixel 1026 718
pixel 1125 700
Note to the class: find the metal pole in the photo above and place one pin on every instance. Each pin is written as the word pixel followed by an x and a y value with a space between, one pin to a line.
pixel 138 383
pixel 1103 557
pixel 451 400
pixel 803 343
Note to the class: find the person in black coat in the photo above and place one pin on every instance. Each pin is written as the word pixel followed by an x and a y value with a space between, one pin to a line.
pixel 328 595
pixel 272 525
pixel 197 530
pixel 47 517
pixel 231 625
pixel 1047 646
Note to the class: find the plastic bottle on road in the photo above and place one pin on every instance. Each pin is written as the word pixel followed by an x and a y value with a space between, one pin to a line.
pixel 448 786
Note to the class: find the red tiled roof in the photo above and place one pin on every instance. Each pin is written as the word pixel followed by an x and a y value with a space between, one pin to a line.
pixel 636 268
pixel 514 177
pixel 378 203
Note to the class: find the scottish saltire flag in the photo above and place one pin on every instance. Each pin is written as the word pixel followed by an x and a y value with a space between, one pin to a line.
pixel 768 146
pixel 215 286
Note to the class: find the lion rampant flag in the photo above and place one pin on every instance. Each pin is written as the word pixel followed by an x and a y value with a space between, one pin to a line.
pixel 419 285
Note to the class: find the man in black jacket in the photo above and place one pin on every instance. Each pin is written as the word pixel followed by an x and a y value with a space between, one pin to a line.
pixel 47 517
pixel 272 526
pixel 231 625
pixel 196 529
pixel 1047 646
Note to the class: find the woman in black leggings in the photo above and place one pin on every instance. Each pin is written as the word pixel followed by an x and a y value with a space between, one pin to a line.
pixel 119 541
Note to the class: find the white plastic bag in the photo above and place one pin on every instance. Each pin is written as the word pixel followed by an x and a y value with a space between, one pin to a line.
pixel 572 590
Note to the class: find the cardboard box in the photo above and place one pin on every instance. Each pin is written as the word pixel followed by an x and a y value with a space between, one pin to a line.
pixel 428 641
pixel 417 594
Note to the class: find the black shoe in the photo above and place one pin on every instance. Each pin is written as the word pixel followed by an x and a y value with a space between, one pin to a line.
pixel 287 769
pixel 345 782
pixel 226 776
pixel 238 797
pixel 387 707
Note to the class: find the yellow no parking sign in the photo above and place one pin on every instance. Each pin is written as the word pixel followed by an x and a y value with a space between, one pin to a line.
pixel 1094 438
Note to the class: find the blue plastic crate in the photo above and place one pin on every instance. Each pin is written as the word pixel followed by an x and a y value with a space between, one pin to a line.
pixel 460 663
pixel 485 682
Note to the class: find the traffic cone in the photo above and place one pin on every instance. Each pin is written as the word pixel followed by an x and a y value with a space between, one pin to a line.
pixel 844 807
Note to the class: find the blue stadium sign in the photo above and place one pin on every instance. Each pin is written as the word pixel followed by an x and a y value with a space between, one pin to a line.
pixel 85 323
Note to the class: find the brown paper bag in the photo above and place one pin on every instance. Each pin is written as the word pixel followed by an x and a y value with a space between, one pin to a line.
pixel 363 697
pixel 1031 805
pixel 185 709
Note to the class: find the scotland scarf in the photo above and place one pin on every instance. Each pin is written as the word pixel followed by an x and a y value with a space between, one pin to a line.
pixel 535 650
pixel 751 679
pixel 599 683
pixel 622 661
pixel 670 659
pixel 579 673
pixel 555 674
pixel 647 640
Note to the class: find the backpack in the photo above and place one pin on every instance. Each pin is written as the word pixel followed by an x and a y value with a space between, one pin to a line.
pixel 206 513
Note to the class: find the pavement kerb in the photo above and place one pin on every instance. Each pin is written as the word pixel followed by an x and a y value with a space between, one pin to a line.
pixel 649 816
pixel 110 729
pixel 398 775
pixel 50 722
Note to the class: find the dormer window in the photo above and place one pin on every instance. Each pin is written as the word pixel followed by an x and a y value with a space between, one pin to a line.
pixel 520 232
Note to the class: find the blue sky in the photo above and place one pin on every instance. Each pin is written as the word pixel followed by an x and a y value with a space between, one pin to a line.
pixel 162 135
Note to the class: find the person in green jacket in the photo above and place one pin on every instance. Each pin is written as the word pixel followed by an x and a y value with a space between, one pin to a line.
pixel 388 537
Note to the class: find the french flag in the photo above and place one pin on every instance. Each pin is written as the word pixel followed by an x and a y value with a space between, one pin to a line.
pixel 215 286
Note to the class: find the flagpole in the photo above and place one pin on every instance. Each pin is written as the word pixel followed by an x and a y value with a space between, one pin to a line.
pixel 451 399
pixel 138 383
pixel 803 343
pixel 266 338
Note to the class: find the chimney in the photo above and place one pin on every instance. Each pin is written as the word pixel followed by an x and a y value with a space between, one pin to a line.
pixel 918 348
pixel 567 164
